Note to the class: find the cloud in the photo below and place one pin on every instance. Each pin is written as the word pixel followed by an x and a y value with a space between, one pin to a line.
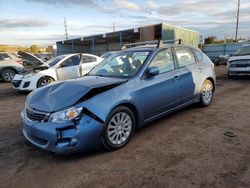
pixel 96 5
pixel 127 5
pixel 17 23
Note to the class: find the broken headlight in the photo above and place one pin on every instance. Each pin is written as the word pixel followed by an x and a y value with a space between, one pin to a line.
pixel 66 115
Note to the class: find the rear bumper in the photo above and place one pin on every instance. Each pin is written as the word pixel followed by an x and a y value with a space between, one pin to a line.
pixel 64 138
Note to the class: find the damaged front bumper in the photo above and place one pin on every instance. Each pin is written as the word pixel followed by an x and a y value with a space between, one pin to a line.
pixel 64 138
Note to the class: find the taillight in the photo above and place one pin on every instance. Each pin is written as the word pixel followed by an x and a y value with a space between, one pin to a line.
pixel 19 62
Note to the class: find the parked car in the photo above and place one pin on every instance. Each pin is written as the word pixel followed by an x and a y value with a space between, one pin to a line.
pixel 239 63
pixel 58 68
pixel 105 107
pixel 10 65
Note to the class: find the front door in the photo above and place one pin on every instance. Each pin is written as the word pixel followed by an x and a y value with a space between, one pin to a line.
pixel 69 68
pixel 163 91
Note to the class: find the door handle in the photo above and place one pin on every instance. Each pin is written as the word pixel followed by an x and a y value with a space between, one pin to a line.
pixel 176 77
pixel 200 69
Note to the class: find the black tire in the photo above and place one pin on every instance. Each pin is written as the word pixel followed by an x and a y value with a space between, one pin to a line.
pixel 105 138
pixel 44 81
pixel 206 97
pixel 7 75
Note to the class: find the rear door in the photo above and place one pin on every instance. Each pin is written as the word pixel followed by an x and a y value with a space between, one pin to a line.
pixel 189 72
pixel 69 68
pixel 87 63
pixel 162 92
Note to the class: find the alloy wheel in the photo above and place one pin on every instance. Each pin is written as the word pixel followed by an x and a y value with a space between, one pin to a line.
pixel 119 128
pixel 207 92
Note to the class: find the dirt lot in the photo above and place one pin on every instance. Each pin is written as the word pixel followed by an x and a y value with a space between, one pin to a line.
pixel 185 149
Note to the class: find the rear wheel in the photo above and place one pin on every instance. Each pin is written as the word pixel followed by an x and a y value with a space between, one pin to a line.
pixel 44 81
pixel 7 75
pixel 120 127
pixel 207 93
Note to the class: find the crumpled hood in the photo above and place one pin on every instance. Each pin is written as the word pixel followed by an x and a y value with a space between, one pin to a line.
pixel 59 95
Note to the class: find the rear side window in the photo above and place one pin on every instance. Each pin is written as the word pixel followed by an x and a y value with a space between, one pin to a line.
pixel 164 61
pixel 198 55
pixel 88 59
pixel 185 56
pixel 4 57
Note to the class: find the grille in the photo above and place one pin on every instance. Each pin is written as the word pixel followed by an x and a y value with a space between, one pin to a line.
pixel 16 83
pixel 38 140
pixel 240 63
pixel 36 115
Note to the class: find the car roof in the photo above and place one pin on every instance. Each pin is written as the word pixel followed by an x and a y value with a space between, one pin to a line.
pixel 154 47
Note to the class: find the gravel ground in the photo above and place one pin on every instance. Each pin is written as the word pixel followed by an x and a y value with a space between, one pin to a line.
pixel 185 149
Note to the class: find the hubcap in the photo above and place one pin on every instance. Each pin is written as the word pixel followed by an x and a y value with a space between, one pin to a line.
pixel 207 93
pixel 9 76
pixel 46 82
pixel 119 128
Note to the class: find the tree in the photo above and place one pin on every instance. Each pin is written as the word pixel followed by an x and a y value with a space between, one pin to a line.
pixel 34 49
pixel 210 39
pixel 49 49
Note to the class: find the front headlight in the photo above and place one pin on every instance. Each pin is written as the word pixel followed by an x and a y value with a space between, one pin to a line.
pixel 65 115
pixel 28 75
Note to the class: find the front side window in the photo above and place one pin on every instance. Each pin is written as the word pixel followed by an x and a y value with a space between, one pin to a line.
pixel 185 56
pixel 55 60
pixel 72 61
pixel 123 64
pixel 163 60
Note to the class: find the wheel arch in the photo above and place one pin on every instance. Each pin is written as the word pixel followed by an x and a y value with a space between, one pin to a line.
pixel 133 108
pixel 213 82
pixel 11 68
pixel 44 76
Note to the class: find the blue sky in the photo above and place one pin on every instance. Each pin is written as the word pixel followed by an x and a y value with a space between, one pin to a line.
pixel 26 22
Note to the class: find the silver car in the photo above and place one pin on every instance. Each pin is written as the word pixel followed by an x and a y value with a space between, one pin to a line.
pixel 239 63
pixel 10 65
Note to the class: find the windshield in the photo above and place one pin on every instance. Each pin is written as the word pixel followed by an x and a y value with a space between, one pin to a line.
pixel 55 60
pixel 243 51
pixel 107 54
pixel 124 64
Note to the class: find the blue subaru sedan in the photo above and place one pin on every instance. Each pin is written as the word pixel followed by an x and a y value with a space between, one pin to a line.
pixel 125 91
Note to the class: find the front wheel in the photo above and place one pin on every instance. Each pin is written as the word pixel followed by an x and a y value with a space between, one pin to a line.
pixel 44 81
pixel 207 93
pixel 120 127
pixel 7 75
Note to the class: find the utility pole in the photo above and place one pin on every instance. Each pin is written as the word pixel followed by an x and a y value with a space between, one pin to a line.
pixel 65 28
pixel 237 23
pixel 113 26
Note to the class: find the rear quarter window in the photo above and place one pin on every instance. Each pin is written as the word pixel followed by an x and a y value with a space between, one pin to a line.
pixel 198 55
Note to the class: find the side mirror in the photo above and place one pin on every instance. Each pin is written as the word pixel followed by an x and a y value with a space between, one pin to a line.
pixel 153 71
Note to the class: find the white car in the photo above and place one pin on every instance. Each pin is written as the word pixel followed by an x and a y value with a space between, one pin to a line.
pixel 10 64
pixel 239 63
pixel 58 68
